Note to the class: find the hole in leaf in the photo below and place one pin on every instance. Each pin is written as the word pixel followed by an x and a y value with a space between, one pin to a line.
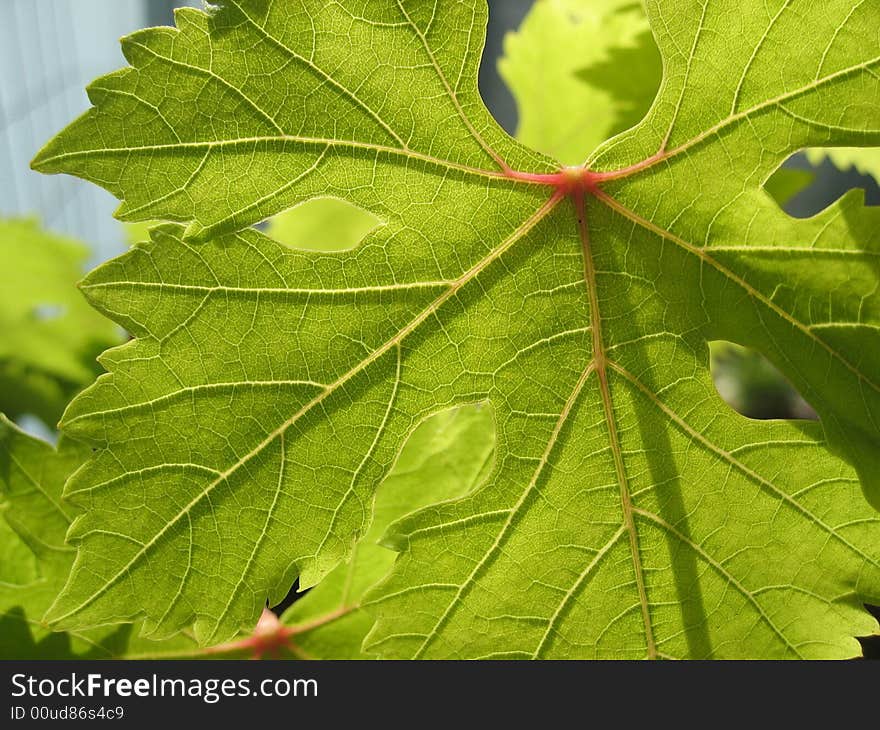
pixel 752 385
pixel 321 224
pixel 788 181
pixel 810 181
pixel 293 595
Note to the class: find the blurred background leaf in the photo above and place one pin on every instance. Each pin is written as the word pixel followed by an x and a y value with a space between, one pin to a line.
pixel 560 65
pixel 51 336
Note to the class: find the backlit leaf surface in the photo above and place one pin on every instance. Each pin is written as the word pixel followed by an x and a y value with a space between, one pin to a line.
pixel 630 513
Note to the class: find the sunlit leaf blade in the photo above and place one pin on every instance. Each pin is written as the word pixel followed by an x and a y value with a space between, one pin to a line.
pixel 630 512
pixel 335 436
pixel 50 336
pixel 345 97
pixel 444 458
pixel 36 562
pixel 770 271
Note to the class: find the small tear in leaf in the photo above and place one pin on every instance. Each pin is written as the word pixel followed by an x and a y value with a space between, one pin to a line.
pixel 322 224
pixel 752 385
pixel 451 453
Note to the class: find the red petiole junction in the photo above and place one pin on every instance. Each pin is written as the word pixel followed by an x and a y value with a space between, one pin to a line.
pixel 579 180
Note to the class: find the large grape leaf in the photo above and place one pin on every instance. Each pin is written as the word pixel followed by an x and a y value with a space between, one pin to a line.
pixel 630 512
pixel 50 336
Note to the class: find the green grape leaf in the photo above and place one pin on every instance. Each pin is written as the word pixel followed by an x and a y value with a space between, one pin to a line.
pixel 445 457
pixel 580 71
pixel 630 512
pixel 50 334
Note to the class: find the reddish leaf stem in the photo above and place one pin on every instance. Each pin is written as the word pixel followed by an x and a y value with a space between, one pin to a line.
pixel 567 181
pixel 271 637
pixel 576 180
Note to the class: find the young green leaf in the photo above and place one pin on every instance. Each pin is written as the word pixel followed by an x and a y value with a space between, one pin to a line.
pixel 50 335
pixel 630 512
pixel 580 71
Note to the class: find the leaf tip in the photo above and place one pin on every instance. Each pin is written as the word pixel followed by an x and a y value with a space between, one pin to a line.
pixel 40 161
